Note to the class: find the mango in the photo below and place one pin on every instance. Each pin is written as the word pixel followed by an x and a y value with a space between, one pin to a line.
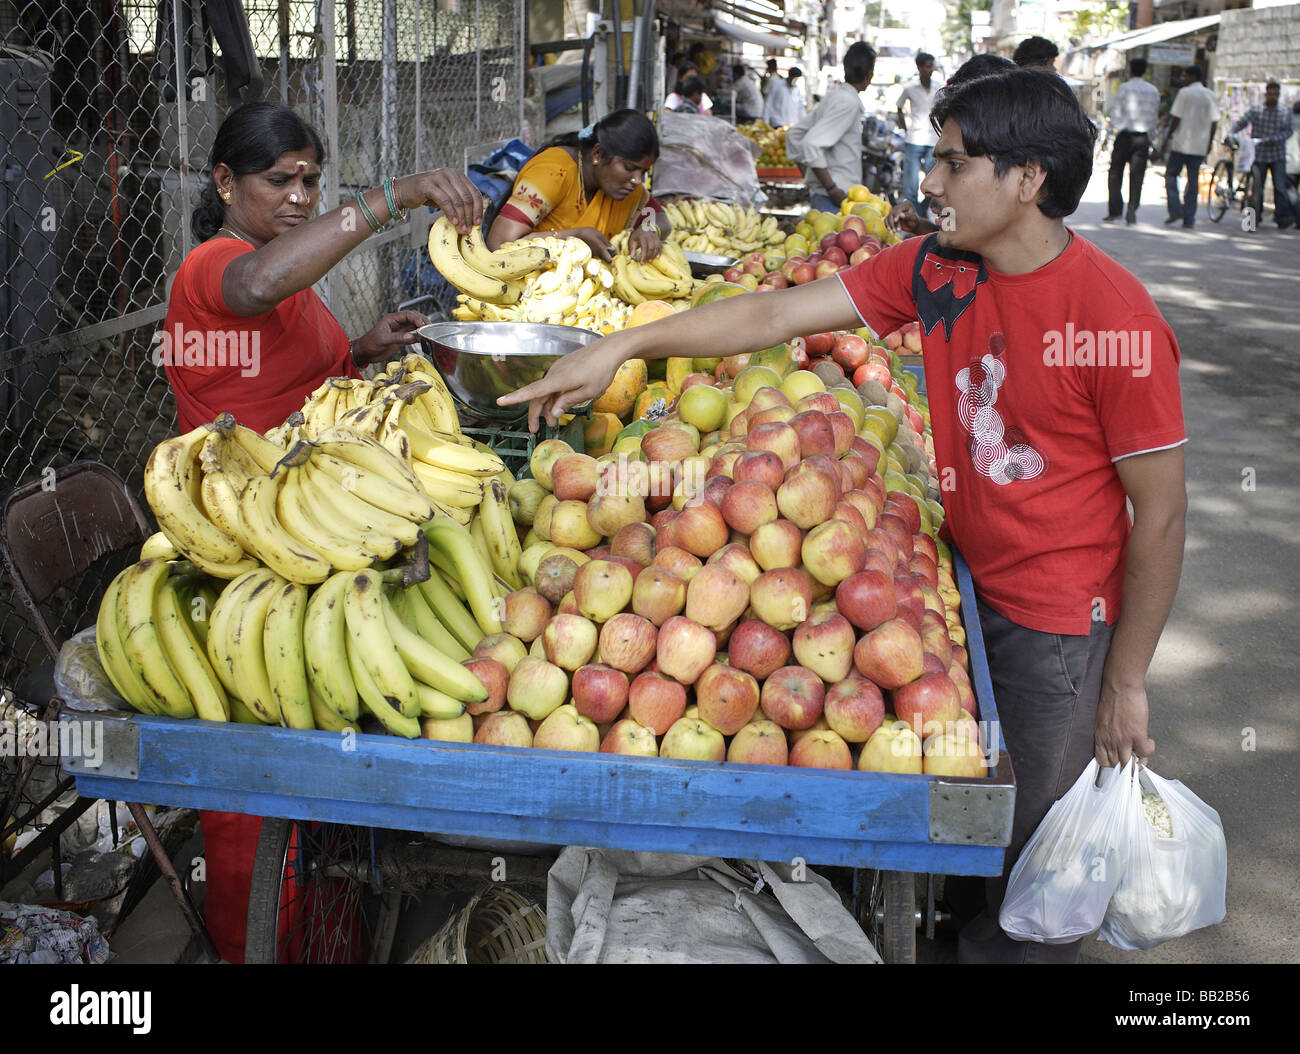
pixel 620 397
pixel 600 432
pixel 653 393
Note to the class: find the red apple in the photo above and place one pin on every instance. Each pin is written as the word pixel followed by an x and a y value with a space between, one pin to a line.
pixel 808 498
pixel 867 598
pixel 716 597
pixel 758 648
pixel 602 589
pixel 748 505
pixel 570 641
pixel 656 701
pixel 824 644
pixel 816 436
pixel 776 544
pixel 524 614
pixel 503 647
pixel 928 703
pixel 837 256
pixel 803 274
pixel 504 729
pixel 677 561
pixel 630 737
pixel 574 477
pixel 727 697
pixel 761 466
pixel 890 655
pixel 537 687
pixel 658 595
pixel 628 642
pixel 820 344
pixel 668 444
pixel 599 692
pixel 782 597
pixel 826 268
pixel 685 649
pixel 854 708
pixel 793 697
pixel 495 678
pixel 736 558
pixel 848 240
pixel 850 515
pixel 759 743
pixel 778 437
pixel 821 750
pixel 832 551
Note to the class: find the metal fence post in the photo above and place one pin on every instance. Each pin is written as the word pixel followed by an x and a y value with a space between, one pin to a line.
pixel 331 171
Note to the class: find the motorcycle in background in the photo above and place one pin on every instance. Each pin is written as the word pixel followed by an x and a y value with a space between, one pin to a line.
pixel 882 156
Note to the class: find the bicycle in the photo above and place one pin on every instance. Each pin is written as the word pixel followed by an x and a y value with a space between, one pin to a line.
pixel 1226 190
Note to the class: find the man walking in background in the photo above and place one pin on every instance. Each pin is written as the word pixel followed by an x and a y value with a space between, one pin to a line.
pixel 827 143
pixel 1270 127
pixel 1133 115
pixel 921 136
pixel 1192 120
pixel 785 103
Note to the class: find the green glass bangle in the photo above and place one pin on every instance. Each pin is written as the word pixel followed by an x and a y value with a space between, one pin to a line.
pixel 372 221
pixel 393 210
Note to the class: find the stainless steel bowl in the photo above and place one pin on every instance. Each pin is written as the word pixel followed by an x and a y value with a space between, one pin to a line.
pixel 484 360
pixel 705 264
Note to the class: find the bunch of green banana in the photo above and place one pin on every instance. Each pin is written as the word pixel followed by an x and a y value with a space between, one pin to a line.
pixel 149 647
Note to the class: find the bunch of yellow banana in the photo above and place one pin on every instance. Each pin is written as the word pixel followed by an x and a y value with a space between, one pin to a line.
pixel 666 277
pixel 720 228
pixel 468 264
pixel 572 289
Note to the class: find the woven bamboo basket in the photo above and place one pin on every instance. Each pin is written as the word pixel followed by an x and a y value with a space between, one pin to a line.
pixel 498 925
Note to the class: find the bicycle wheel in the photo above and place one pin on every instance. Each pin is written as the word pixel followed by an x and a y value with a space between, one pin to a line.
pixel 311 899
pixel 889 915
pixel 1221 190
pixel 1247 191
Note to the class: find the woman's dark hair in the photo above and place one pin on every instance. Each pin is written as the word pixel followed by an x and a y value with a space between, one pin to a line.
pixel 1024 115
pixel 623 133
pixel 248 141
pixel 690 86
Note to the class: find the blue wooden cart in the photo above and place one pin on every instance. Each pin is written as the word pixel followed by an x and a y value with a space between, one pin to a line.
pixel 896 825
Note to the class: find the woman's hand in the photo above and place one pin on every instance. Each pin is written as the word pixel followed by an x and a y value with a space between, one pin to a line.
pixel 574 379
pixel 600 245
pixel 443 188
pixel 391 331
pixel 643 245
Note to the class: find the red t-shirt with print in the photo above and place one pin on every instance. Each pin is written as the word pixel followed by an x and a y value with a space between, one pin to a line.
pixel 260 368
pixel 1037 383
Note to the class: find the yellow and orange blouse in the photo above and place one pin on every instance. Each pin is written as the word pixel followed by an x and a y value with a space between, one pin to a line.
pixel 549 196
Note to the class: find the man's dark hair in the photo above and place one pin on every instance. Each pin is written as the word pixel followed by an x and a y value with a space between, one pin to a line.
pixel 1020 116
pixel 1137 67
pixel 922 57
pixel 1272 84
pixel 1194 72
pixel 1035 51
pixel 771 65
pixel 794 74
pixel 979 66
pixel 859 62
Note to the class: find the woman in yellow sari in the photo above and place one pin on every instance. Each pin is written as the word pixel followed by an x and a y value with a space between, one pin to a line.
pixel 589 185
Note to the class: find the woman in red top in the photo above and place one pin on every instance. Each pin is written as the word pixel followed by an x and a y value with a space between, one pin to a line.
pixel 245 333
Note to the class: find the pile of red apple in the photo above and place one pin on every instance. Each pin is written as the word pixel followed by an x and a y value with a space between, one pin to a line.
pixel 836 249
pixel 771 604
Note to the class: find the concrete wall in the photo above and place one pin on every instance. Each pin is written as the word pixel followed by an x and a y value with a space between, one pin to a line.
pixel 1258 45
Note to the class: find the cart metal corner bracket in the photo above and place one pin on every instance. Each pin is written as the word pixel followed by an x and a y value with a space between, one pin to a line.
pixel 109 745
pixel 968 814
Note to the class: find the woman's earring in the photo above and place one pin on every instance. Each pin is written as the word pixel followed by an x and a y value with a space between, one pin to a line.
pixel 225 196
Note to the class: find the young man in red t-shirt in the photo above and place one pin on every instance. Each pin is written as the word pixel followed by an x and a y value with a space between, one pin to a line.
pixel 1054 399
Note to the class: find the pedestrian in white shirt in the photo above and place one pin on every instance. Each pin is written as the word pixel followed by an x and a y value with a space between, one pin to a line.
pixel 785 103
pixel 918 149
pixel 828 142
pixel 749 100
pixel 1192 120
pixel 1133 115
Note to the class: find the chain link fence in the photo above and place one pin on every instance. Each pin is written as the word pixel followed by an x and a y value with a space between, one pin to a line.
pixel 103 147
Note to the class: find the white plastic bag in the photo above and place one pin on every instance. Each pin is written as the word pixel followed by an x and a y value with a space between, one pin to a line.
pixel 1072 863
pixel 1173 884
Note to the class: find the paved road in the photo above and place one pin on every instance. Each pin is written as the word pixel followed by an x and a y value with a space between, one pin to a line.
pixel 1225 674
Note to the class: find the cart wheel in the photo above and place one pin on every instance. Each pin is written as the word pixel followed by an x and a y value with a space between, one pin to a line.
pixel 900 917
pixel 310 900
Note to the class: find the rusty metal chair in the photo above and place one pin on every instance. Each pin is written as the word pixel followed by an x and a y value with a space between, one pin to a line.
pixel 52 532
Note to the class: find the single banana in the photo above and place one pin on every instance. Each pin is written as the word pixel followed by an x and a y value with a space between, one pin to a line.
pixel 334 505
pixel 499 533
pixel 108 642
pixel 451 611
pixel 293 506
pixel 325 718
pixel 415 610
pixel 366 453
pixel 446 453
pixel 138 631
pixel 403 499
pixel 374 700
pixel 228 571
pixel 220 492
pixel 454 542
pixel 325 652
pixel 480 542
pixel 203 596
pixel 172 487
pixel 318 412
pixel 157 546
pixel 502 265
pixel 263 452
pixel 371 644
pixel 445 252
pixel 448 487
pixel 426 663
pixel 436 704
pixel 462 516
pixel 219 619
pixel 186 654
pixel 245 649
pixel 283 649
pixel 274 546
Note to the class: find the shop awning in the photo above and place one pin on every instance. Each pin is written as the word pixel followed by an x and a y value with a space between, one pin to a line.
pixel 761 22
pixel 1138 38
